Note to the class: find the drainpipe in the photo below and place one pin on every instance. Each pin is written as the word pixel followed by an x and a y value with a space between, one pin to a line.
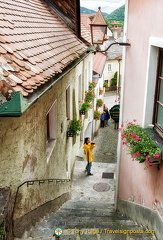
pixel 121 103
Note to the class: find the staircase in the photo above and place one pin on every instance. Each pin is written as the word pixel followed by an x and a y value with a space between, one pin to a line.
pixel 90 214
pixel 88 220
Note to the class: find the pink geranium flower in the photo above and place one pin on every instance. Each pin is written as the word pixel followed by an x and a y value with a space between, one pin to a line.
pixel 156 155
pixel 137 154
pixel 133 134
pixel 136 139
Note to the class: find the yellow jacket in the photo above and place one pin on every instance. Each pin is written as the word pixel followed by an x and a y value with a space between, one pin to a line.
pixel 88 151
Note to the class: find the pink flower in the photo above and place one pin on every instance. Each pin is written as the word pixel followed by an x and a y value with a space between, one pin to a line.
pixel 133 134
pixel 124 142
pixel 122 126
pixel 134 120
pixel 129 123
pixel 122 135
pixel 137 154
pixel 156 155
pixel 136 139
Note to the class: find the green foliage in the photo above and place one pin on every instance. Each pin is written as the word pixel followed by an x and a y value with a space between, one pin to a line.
pixel 99 102
pixel 2 231
pixel 92 85
pixel 105 84
pixel 140 142
pixel 117 15
pixel 75 126
pixel 97 115
pixel 85 106
pixel 89 96
pixel 114 79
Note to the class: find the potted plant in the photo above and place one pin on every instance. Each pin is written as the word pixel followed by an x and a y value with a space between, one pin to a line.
pixel 99 102
pixel 92 85
pixel 97 115
pixel 84 107
pixel 89 96
pixel 140 143
pixel 101 91
pixel 74 127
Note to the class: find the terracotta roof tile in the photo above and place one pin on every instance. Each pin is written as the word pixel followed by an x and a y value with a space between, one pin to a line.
pixel 99 60
pixel 34 44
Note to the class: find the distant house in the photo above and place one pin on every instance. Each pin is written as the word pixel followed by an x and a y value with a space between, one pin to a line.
pixel 116 29
pixel 140 194
pixel 44 73
pixel 113 63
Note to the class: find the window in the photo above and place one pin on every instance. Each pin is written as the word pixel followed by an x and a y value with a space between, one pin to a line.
pixel 51 120
pixel 109 67
pixel 86 80
pixel 68 103
pixel 158 107
pixel 79 88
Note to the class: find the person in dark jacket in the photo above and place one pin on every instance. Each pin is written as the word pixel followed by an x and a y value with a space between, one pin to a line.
pixel 107 116
pixel 102 119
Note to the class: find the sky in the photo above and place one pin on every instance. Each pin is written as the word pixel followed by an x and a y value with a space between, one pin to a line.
pixel 107 6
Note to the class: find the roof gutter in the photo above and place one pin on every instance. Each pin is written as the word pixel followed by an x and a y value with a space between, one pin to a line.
pixel 18 104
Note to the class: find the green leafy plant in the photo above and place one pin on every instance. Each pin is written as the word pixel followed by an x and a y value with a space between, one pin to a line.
pixel 105 84
pixel 89 96
pixel 114 79
pixel 140 143
pixel 97 115
pixel 75 126
pixel 85 106
pixel 99 102
pixel 92 85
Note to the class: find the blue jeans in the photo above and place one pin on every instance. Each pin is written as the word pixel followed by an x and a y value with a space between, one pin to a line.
pixel 88 167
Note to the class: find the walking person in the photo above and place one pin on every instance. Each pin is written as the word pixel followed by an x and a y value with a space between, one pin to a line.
pixel 107 116
pixel 102 119
pixel 88 148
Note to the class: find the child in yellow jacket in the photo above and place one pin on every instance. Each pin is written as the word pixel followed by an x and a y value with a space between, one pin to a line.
pixel 88 147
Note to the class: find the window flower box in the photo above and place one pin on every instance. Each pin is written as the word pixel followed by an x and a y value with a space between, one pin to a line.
pixel 74 127
pixel 97 115
pixel 99 102
pixel 140 143
pixel 84 107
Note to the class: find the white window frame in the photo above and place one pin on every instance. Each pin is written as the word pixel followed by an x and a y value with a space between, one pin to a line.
pixel 109 67
pixel 68 103
pixel 153 51
pixel 80 88
pixel 51 123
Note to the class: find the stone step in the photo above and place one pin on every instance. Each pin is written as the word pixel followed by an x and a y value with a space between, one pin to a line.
pixel 81 220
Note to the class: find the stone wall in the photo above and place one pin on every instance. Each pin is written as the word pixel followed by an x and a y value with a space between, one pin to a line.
pixel 23 147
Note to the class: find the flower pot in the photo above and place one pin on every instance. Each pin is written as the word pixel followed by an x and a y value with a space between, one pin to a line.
pixel 82 112
pixel 70 133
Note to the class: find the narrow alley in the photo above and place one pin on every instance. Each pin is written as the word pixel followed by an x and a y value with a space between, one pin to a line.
pixel 90 214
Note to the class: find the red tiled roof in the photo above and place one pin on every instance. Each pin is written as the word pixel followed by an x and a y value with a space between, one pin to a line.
pixel 119 57
pixel 85 26
pixel 35 45
pixel 99 60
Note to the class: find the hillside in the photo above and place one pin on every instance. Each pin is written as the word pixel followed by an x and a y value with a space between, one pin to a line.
pixel 116 15
pixel 84 10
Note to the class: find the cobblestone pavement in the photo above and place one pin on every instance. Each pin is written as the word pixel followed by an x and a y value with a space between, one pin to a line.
pixel 92 202
pixel 106 140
